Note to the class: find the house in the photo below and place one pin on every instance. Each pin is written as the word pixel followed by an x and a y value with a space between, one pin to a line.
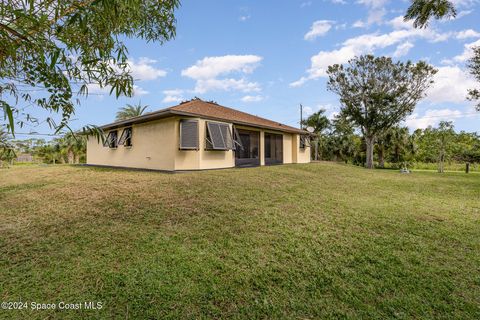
pixel 197 135
pixel 24 157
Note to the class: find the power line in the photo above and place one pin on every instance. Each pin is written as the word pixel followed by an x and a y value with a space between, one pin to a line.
pixel 37 134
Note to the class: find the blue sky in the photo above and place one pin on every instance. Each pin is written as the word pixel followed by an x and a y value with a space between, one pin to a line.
pixel 267 57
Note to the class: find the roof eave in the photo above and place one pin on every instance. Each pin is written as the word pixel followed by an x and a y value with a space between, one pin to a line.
pixel 168 113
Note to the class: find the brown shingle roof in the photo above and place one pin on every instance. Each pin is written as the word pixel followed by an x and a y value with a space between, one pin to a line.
pixel 209 110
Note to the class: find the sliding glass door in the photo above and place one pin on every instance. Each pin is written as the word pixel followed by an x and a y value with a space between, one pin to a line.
pixel 248 154
pixel 273 148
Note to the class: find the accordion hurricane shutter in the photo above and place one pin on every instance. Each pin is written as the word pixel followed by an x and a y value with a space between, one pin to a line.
pixel 189 134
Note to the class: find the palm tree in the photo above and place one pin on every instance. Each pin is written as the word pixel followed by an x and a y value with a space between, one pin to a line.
pixel 7 151
pixel 421 11
pixel 319 122
pixel 130 111
pixel 72 146
pixel 399 142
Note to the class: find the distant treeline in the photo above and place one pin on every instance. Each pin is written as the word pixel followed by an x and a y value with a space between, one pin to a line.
pixel 430 148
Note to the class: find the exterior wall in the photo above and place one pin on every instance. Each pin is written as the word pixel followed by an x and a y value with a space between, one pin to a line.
pixel 262 148
pixel 300 155
pixel 152 148
pixel 288 148
pixel 202 158
pixel 155 145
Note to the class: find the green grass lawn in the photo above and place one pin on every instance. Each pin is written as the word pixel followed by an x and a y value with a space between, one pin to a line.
pixel 309 241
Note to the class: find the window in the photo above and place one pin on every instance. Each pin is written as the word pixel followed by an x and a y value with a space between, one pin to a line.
pixel 219 136
pixel 126 137
pixel 111 139
pixel 304 141
pixel 188 134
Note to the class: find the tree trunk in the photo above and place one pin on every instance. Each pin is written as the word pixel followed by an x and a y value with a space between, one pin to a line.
pixel 381 152
pixel 370 142
pixel 316 149
pixel 70 156
pixel 440 164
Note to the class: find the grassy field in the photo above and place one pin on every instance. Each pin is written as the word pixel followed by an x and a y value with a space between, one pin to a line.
pixel 297 241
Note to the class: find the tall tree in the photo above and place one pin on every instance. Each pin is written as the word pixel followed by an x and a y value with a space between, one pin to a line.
pixel 60 47
pixel 342 139
pixel 444 135
pixel 130 111
pixel 319 122
pixel 474 67
pixel 377 93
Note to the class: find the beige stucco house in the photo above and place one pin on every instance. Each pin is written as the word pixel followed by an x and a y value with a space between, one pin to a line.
pixel 197 135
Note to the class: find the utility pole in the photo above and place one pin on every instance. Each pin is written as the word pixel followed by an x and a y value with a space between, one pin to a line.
pixel 301 116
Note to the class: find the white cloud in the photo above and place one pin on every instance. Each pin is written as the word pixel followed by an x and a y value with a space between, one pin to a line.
pixel 139 91
pixel 206 73
pixel 204 85
pixel 211 67
pixel 368 43
pixel 256 98
pixel 144 69
pixel 244 18
pixel 463 13
pixel 319 28
pixel 465 34
pixel 339 1
pixel 463 3
pixel 399 23
pixel 376 11
pixel 451 85
pixel 173 96
pixel 403 49
pixel 330 109
pixel 95 89
pixel 466 54
pixel 305 4
pixel 358 24
pixel 431 117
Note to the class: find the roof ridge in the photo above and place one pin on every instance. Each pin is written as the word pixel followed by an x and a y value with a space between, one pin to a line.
pixel 239 111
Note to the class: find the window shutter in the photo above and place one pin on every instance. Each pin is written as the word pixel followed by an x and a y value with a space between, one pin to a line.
pixel 106 142
pixel 125 137
pixel 216 137
pixel 219 136
pixel 227 136
pixel 189 134
pixel 237 142
pixel 304 141
pixel 111 139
